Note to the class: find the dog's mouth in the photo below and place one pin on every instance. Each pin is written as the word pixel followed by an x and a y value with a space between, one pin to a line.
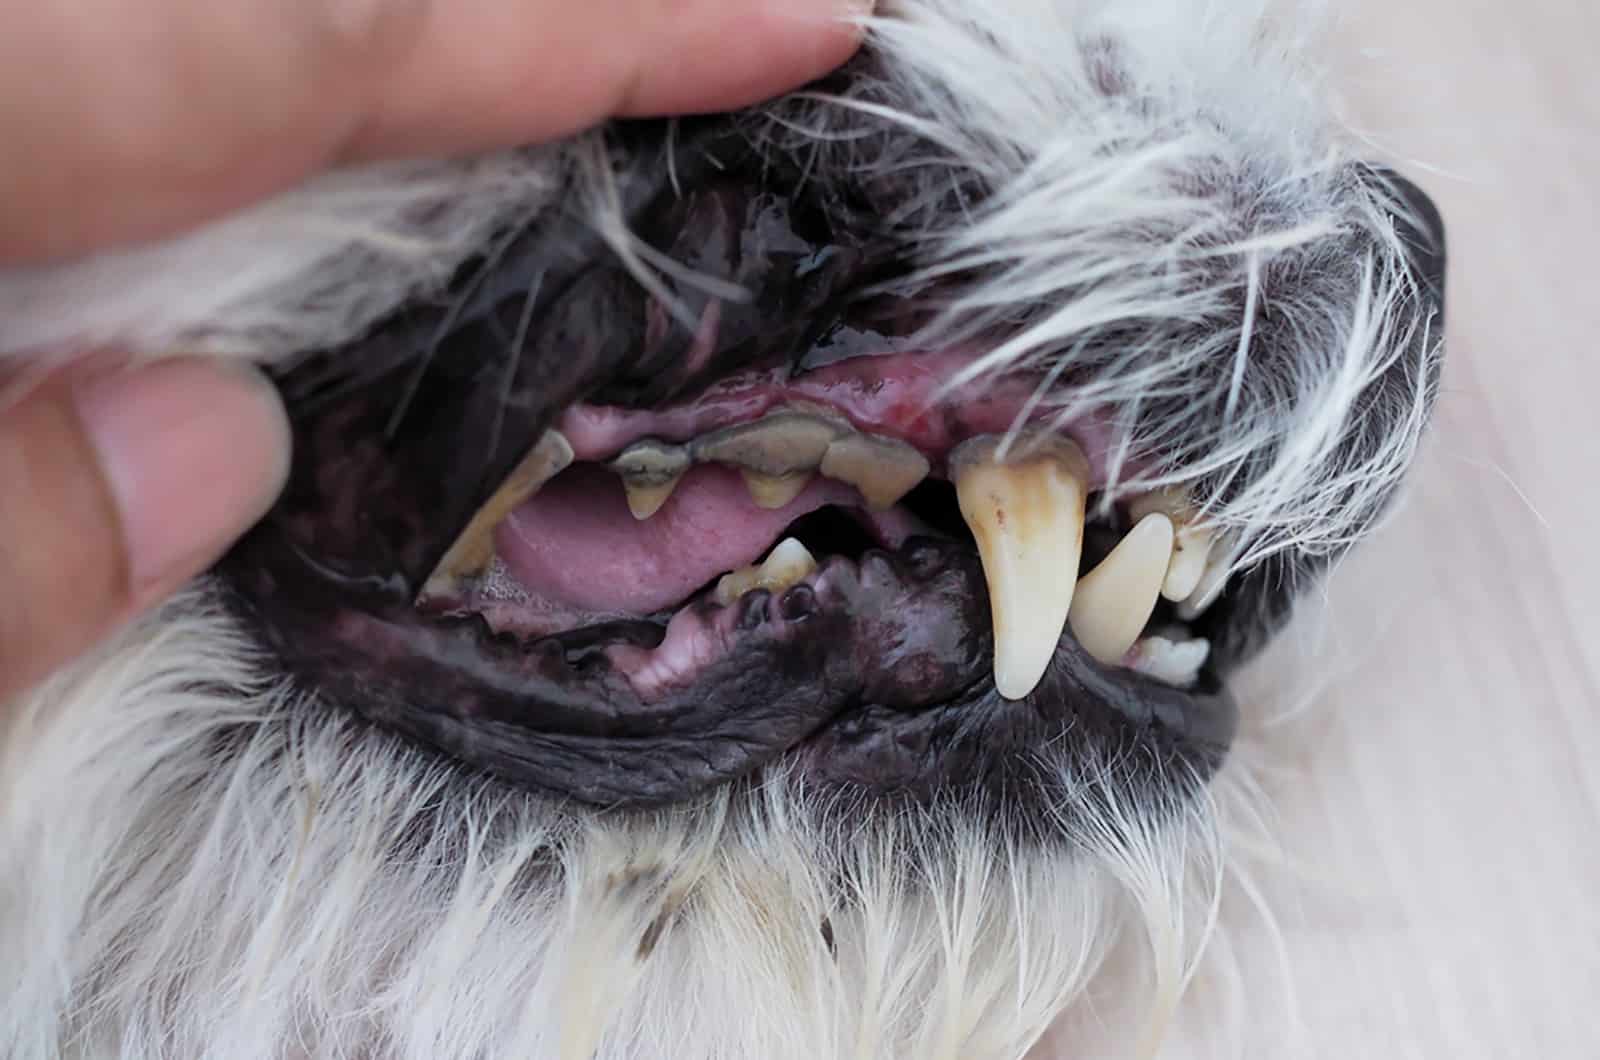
pixel 647 542
pixel 624 542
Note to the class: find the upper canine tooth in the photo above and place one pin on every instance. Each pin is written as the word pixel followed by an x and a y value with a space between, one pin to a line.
pixel 781 443
pixel 1115 600
pixel 774 491
pixel 1191 544
pixel 787 564
pixel 883 469
pixel 1027 514
pixel 650 470
pixel 474 547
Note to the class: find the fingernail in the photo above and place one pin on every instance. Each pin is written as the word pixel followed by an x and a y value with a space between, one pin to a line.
pixel 194 451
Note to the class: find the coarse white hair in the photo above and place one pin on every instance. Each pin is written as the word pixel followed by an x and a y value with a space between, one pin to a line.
pixel 194 863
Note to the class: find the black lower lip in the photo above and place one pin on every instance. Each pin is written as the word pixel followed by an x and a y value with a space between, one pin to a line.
pixel 878 682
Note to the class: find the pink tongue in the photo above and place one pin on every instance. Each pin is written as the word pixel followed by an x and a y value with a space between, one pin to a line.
pixel 577 543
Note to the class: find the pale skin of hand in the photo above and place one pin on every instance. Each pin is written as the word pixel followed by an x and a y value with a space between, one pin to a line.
pixel 128 122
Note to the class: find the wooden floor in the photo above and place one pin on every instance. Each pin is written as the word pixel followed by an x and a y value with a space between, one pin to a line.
pixel 1439 791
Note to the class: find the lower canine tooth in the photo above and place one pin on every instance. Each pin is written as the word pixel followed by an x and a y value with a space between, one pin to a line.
pixel 474 548
pixel 774 491
pixel 1027 515
pixel 787 564
pixel 1115 600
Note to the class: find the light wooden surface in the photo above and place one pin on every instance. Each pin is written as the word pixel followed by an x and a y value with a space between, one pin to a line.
pixel 1436 763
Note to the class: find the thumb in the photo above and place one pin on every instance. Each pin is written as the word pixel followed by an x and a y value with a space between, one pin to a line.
pixel 117 488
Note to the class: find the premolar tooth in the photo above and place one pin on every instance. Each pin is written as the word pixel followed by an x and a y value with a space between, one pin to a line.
pixel 474 547
pixel 645 500
pixel 1027 515
pixel 1114 600
pixel 781 443
pixel 774 491
pixel 650 470
pixel 883 469
pixel 1191 543
pixel 789 563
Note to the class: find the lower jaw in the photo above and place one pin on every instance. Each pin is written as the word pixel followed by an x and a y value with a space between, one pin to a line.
pixel 881 684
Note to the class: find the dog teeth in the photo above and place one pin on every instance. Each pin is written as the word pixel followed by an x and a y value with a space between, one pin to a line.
pixel 1027 515
pixel 779 444
pixel 645 501
pixel 1213 580
pixel 787 564
pixel 1114 601
pixel 883 469
pixel 1191 541
pixel 774 491
pixel 1173 662
pixel 777 455
pixel 650 470
pixel 469 556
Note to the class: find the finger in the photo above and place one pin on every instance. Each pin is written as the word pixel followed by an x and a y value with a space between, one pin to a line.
pixel 591 61
pixel 119 488
pixel 122 121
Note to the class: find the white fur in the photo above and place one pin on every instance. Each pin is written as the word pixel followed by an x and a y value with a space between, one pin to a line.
pixel 208 870
pixel 196 862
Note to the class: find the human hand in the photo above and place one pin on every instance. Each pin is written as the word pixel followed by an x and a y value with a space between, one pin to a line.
pixel 125 122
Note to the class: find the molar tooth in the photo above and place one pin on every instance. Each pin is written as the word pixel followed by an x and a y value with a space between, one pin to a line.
pixel 789 563
pixel 1191 545
pixel 1027 515
pixel 650 470
pixel 1114 600
pixel 774 491
pixel 781 443
pixel 883 469
pixel 474 547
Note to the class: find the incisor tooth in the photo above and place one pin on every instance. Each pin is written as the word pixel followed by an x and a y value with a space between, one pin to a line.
pixel 1027 515
pixel 774 491
pixel 1175 662
pixel 474 547
pixel 1191 542
pixel 1115 599
pixel 883 469
pixel 788 563
pixel 1212 581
